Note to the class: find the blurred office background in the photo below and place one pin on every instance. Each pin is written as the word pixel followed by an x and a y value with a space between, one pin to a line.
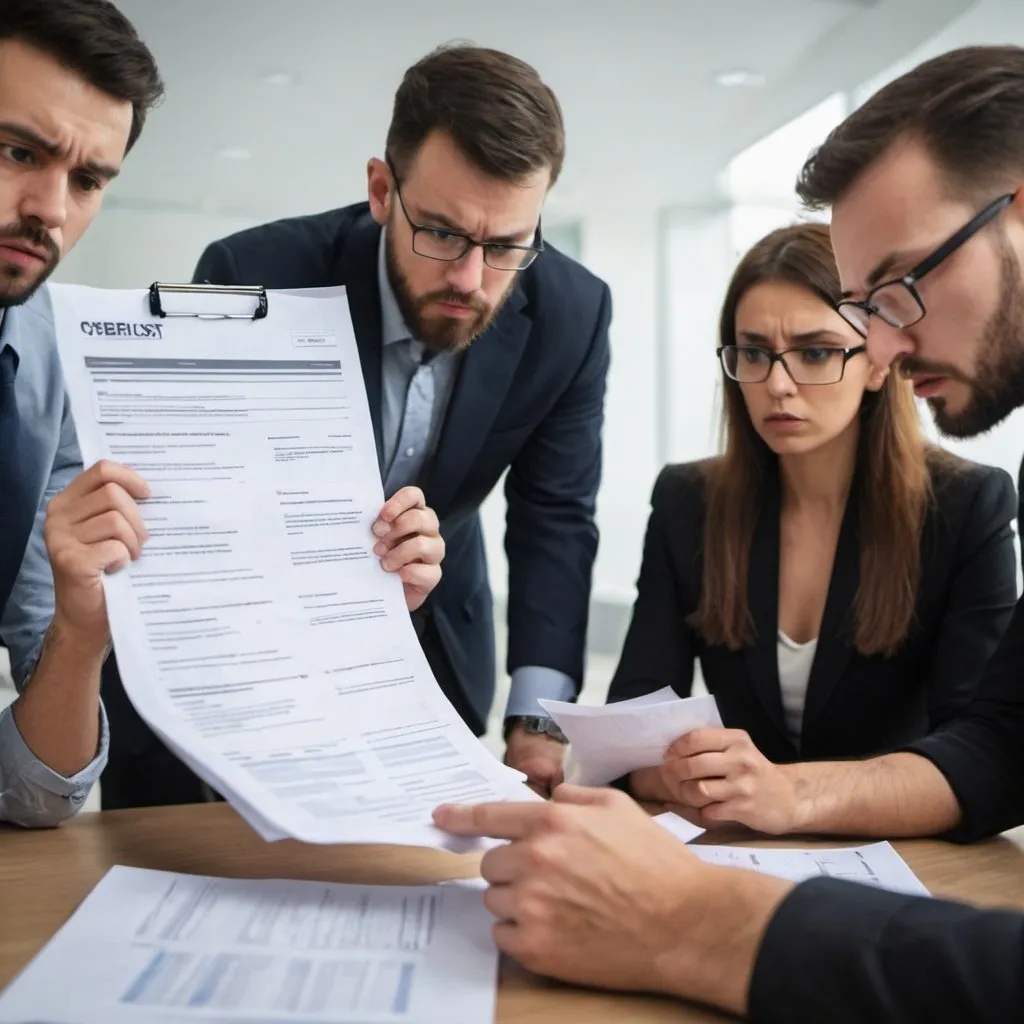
pixel 687 123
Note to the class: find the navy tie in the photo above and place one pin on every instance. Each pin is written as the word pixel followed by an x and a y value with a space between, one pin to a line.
pixel 17 505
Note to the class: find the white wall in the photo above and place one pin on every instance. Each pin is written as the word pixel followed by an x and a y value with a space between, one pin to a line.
pixel 134 248
pixel 620 245
pixel 699 258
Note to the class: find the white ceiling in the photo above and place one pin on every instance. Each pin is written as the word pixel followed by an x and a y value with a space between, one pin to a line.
pixel 646 121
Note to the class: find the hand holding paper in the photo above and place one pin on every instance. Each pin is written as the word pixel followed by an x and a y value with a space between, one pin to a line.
pixel 723 778
pixel 613 740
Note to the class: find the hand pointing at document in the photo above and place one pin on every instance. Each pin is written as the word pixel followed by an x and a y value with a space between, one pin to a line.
pixel 410 544
pixel 590 890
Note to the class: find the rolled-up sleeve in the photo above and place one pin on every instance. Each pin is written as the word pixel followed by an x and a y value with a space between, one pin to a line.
pixel 34 795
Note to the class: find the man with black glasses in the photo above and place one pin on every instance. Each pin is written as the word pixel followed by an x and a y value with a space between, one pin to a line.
pixel 928 231
pixel 483 350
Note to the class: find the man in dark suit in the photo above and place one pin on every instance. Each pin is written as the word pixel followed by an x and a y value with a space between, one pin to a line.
pixel 483 351
pixel 924 182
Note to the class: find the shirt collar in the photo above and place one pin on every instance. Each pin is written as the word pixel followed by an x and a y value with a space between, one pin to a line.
pixel 393 326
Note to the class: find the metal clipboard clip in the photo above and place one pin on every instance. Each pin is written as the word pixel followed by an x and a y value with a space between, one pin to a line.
pixel 257 292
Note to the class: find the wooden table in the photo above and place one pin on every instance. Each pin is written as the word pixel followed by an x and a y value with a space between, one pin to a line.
pixel 45 875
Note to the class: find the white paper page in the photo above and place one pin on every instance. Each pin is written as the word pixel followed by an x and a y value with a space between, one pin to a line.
pixel 662 696
pixel 258 634
pixel 156 946
pixel 678 826
pixel 611 740
pixel 875 864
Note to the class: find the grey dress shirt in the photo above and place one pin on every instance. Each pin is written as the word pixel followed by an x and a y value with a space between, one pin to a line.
pixel 31 793
pixel 414 398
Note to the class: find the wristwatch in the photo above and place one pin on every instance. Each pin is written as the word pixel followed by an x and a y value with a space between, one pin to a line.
pixel 535 725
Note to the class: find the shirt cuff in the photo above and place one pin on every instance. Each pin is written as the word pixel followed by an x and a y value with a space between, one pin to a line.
pixel 530 683
pixel 31 793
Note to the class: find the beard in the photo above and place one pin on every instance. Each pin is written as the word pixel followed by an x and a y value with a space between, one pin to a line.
pixel 998 387
pixel 18 285
pixel 437 332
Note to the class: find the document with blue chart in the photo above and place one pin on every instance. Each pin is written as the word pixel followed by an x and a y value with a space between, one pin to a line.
pixel 258 635
pixel 166 948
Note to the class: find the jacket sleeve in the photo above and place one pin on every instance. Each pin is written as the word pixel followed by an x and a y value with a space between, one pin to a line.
pixel 842 952
pixel 551 536
pixel 980 598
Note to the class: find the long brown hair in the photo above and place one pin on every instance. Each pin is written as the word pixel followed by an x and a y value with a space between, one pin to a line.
pixel 892 462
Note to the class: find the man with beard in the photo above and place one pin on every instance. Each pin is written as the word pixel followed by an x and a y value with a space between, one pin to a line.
pixel 924 182
pixel 482 351
pixel 76 83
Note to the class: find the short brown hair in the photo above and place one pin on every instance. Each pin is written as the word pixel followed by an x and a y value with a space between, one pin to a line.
pixel 494 106
pixel 93 39
pixel 965 106
pixel 893 462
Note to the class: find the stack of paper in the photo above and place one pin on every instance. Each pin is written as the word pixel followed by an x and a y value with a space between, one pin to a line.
pixel 609 741
pixel 154 946
pixel 258 635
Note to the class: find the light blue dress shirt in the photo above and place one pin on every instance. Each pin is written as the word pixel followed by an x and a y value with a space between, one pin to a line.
pixel 31 793
pixel 414 399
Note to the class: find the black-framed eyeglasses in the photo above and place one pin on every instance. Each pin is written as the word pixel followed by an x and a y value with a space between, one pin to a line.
pixel 436 243
pixel 809 364
pixel 897 302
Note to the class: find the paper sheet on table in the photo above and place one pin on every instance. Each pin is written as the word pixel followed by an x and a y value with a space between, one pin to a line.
pixel 160 947
pixel 258 635
pixel 875 864
pixel 610 740
pixel 678 826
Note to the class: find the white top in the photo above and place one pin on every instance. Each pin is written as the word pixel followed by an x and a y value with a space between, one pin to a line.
pixel 795 661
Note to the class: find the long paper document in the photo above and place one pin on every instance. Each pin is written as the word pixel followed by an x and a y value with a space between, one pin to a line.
pixel 875 864
pixel 258 635
pixel 611 740
pixel 160 947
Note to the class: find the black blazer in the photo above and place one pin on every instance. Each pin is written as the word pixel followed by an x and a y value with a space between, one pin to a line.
pixel 529 399
pixel 846 953
pixel 856 705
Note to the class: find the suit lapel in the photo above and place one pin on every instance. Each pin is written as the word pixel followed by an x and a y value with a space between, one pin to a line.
pixel 763 601
pixel 485 375
pixel 356 269
pixel 835 639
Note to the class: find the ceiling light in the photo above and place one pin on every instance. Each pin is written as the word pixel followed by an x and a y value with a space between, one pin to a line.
pixel 235 153
pixel 739 78
pixel 279 78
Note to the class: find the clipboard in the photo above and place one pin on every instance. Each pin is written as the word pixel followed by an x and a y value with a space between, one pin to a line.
pixel 257 292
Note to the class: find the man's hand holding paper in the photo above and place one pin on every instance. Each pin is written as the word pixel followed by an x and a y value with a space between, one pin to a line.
pixel 93 527
pixel 410 544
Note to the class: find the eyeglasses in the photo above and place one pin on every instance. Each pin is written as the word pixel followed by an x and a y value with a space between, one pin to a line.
pixel 752 364
pixel 437 243
pixel 897 302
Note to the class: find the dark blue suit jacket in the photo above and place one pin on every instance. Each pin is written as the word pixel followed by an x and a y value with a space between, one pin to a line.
pixel 529 398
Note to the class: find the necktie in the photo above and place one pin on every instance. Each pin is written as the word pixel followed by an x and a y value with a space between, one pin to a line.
pixel 414 433
pixel 17 505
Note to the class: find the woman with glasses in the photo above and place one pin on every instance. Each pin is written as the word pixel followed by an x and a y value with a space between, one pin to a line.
pixel 841 581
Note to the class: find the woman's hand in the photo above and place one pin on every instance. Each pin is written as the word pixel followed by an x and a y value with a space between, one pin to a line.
pixel 724 778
